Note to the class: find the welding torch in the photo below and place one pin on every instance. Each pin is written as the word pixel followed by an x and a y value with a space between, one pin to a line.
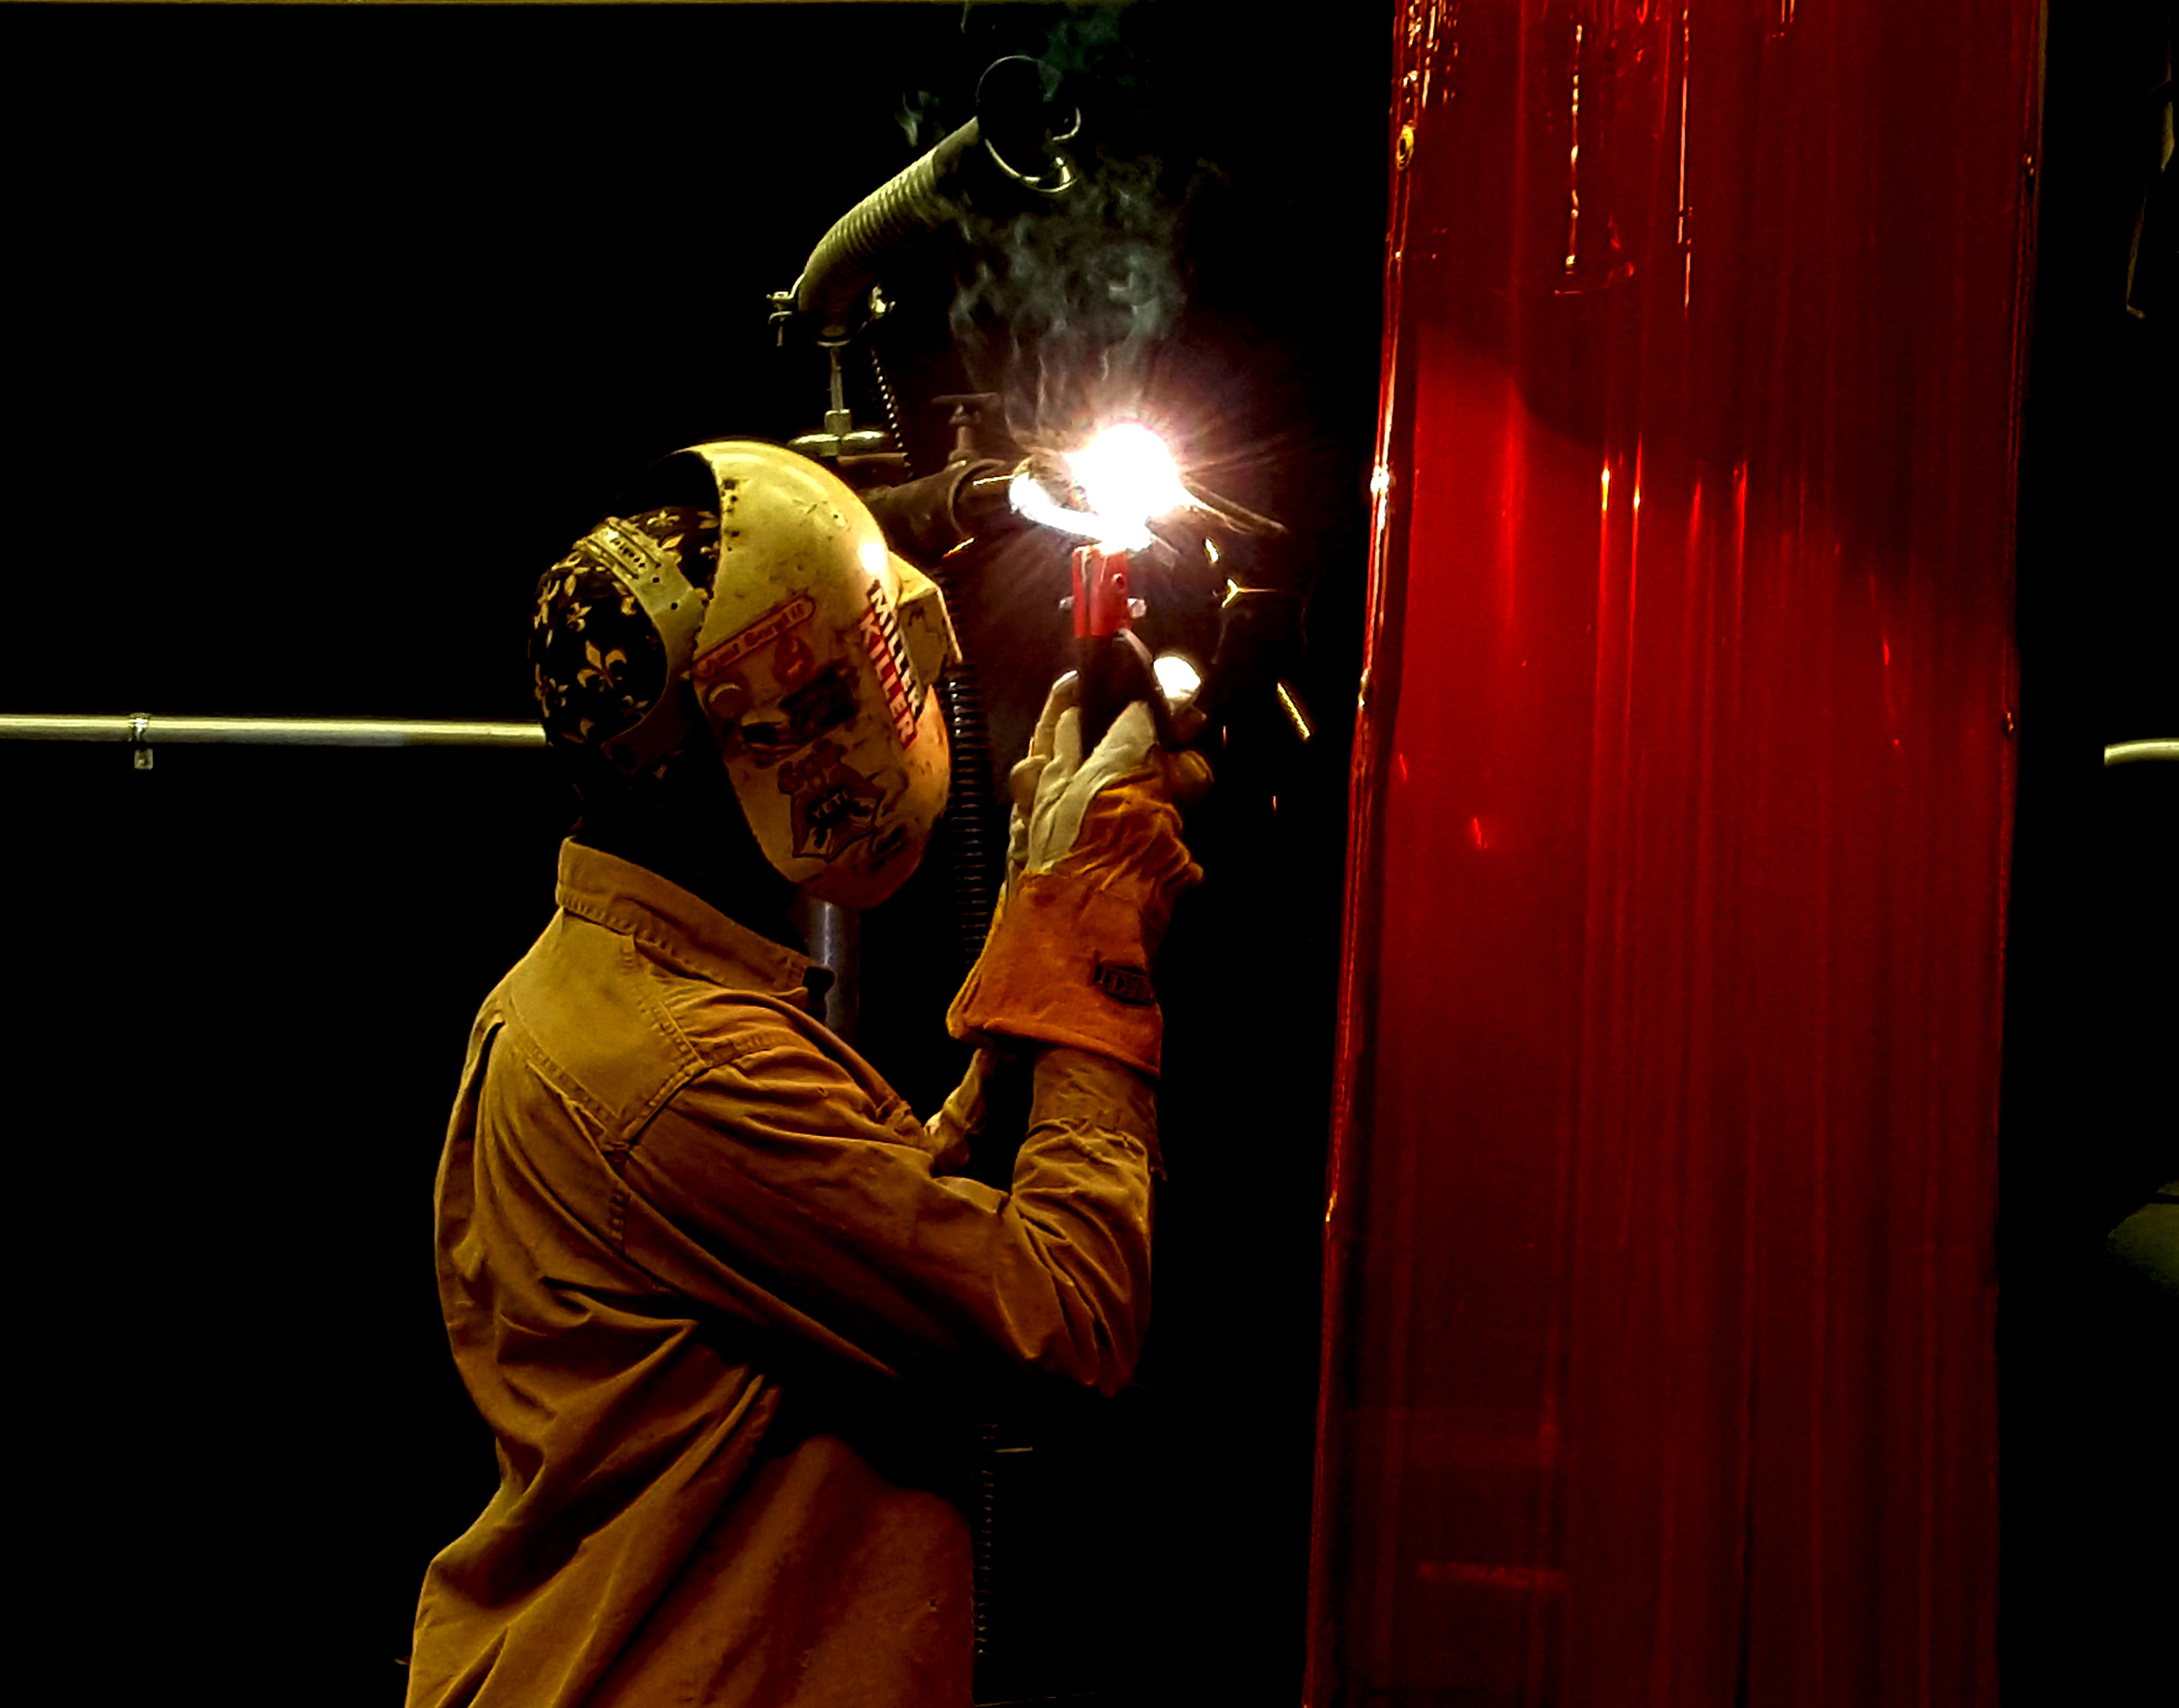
pixel 1124 496
pixel 1134 520
pixel 1112 667
pixel 974 500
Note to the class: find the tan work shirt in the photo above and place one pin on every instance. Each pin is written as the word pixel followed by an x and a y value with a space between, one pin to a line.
pixel 699 1266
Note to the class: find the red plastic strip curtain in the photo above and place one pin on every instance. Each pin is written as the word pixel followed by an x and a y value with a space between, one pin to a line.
pixel 1659 1363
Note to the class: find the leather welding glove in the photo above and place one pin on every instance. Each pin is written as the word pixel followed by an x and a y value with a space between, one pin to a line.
pixel 1096 863
pixel 1188 775
pixel 1021 781
pixel 960 1119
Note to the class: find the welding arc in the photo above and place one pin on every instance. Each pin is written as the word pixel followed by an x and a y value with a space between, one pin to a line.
pixel 1019 105
pixel 1050 472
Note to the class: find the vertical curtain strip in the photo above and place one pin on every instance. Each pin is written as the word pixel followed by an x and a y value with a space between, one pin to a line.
pixel 1659 1365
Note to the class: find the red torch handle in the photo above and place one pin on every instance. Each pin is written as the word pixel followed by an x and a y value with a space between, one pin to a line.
pixel 1112 666
pixel 1100 592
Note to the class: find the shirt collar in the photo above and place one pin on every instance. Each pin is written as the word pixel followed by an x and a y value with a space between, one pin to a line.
pixel 637 902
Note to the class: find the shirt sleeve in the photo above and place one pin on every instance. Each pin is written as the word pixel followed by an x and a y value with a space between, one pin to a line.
pixel 810 1192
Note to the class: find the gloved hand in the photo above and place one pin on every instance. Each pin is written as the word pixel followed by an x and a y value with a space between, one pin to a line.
pixel 952 1133
pixel 1094 865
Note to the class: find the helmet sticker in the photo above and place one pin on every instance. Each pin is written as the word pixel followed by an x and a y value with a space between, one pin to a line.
pixel 823 703
pixel 767 629
pixel 830 805
pixel 888 654
pixel 792 661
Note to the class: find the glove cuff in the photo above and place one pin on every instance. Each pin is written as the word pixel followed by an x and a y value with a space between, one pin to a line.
pixel 1065 964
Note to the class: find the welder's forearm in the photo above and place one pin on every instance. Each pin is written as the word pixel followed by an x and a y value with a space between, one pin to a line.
pixel 1070 1086
pixel 1083 1192
pixel 1075 1087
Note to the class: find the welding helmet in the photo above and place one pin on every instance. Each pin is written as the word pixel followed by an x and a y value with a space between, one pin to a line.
pixel 778 621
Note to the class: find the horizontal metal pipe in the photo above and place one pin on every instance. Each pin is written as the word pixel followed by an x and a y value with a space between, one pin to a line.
pixel 147 731
pixel 432 732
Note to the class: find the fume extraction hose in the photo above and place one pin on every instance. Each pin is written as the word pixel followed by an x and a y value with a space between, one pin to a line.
pixel 1020 116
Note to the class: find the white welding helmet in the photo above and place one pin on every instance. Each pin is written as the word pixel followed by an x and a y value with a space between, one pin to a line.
pixel 810 652
pixel 816 669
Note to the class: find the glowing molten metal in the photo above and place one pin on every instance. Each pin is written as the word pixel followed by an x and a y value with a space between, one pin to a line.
pixel 1126 476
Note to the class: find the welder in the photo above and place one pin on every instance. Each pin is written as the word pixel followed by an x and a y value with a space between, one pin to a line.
pixel 715 1290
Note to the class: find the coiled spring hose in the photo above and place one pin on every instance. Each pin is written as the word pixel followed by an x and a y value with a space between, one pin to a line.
pixel 977 849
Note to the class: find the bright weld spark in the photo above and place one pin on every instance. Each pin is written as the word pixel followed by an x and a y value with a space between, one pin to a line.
pixel 1127 474
pixel 1178 676
pixel 1127 477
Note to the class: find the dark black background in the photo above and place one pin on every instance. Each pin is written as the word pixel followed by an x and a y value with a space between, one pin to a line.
pixel 330 329
pixel 2089 1355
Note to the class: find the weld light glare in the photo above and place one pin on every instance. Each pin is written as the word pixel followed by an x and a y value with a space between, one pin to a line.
pixel 1030 499
pixel 1125 477
pixel 1129 475
pixel 1177 679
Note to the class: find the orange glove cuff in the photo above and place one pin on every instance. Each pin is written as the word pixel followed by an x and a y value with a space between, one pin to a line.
pixel 1064 964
